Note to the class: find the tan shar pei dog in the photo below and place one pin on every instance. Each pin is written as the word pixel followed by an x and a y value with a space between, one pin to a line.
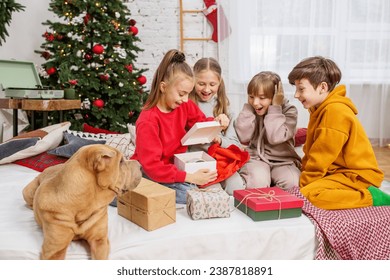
pixel 70 200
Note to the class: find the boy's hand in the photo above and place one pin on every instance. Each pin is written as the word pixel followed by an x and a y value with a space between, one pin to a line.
pixel 278 95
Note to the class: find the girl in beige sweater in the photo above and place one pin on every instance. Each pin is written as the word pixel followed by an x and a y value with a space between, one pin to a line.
pixel 267 124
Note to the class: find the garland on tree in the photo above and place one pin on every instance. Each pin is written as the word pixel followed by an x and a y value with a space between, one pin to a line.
pixel 7 7
pixel 93 49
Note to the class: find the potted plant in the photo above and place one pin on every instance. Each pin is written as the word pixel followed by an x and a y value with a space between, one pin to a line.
pixel 67 82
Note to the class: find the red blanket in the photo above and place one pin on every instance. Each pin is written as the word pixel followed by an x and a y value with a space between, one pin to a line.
pixel 354 234
pixel 41 161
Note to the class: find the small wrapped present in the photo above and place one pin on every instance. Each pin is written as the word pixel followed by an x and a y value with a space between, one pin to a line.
pixel 208 203
pixel 150 205
pixel 268 203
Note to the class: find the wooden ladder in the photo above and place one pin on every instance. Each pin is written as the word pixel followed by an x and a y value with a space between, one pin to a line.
pixel 182 38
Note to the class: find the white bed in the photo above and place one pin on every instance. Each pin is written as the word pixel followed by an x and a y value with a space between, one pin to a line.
pixel 237 237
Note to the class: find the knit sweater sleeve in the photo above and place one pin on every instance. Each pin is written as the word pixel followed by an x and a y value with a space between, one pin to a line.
pixel 150 155
pixel 280 123
pixel 245 124
pixel 230 136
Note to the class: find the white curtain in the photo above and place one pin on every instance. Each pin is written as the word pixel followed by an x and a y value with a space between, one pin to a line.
pixel 276 34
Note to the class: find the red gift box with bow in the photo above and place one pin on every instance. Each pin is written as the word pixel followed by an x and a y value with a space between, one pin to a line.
pixel 268 203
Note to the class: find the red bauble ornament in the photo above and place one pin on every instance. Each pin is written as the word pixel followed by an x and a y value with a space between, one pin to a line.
pixel 104 77
pixel 132 22
pixel 50 37
pixel 142 80
pixel 98 103
pixel 88 56
pixel 86 18
pixel 129 67
pixel 131 113
pixel 133 30
pixel 51 70
pixel 46 55
pixel 98 49
pixel 73 82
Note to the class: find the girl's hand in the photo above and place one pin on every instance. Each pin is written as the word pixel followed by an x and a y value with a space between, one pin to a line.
pixel 278 95
pixel 217 140
pixel 223 120
pixel 201 177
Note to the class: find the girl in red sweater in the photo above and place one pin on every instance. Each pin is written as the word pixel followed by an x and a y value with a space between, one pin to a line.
pixel 166 117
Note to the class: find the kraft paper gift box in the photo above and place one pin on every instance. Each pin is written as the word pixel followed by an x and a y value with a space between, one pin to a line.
pixel 207 203
pixel 200 133
pixel 263 204
pixel 150 205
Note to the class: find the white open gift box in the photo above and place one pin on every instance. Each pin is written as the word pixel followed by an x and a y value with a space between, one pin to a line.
pixel 200 133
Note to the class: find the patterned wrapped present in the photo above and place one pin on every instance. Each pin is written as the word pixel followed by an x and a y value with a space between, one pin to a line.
pixel 150 205
pixel 268 203
pixel 208 203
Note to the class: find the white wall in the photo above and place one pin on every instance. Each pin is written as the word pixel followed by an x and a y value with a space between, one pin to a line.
pixel 157 22
pixel 25 31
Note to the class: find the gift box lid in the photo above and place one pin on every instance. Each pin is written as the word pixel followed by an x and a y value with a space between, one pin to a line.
pixel 201 133
pixel 18 74
pixel 265 199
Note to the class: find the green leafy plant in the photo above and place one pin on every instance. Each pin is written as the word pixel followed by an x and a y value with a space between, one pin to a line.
pixel 7 7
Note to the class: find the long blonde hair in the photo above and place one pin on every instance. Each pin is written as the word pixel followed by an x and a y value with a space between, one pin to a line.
pixel 212 64
pixel 172 64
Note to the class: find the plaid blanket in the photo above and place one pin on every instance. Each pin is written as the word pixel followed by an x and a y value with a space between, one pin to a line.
pixel 353 234
pixel 41 161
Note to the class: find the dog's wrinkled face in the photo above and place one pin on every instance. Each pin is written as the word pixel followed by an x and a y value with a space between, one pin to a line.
pixel 129 178
pixel 112 170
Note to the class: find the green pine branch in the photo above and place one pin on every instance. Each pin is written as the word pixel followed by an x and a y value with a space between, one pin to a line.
pixel 7 7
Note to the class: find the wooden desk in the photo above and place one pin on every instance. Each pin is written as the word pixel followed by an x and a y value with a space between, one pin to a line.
pixel 33 105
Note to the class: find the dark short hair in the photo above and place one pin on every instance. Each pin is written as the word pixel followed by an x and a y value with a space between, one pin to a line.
pixel 316 70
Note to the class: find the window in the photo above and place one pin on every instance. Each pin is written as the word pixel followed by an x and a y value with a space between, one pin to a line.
pixel 276 35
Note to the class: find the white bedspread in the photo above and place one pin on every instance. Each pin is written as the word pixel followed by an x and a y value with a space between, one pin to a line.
pixel 237 237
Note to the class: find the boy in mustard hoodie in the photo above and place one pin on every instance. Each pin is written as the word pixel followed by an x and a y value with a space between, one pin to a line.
pixel 339 168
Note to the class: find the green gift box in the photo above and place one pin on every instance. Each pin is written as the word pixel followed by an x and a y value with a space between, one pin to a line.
pixel 264 204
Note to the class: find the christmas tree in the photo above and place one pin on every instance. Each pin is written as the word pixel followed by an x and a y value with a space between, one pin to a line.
pixel 92 48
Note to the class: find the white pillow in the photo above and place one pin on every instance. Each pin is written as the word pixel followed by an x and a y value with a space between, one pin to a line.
pixel 131 129
pixel 50 137
pixel 89 135
pixel 123 142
